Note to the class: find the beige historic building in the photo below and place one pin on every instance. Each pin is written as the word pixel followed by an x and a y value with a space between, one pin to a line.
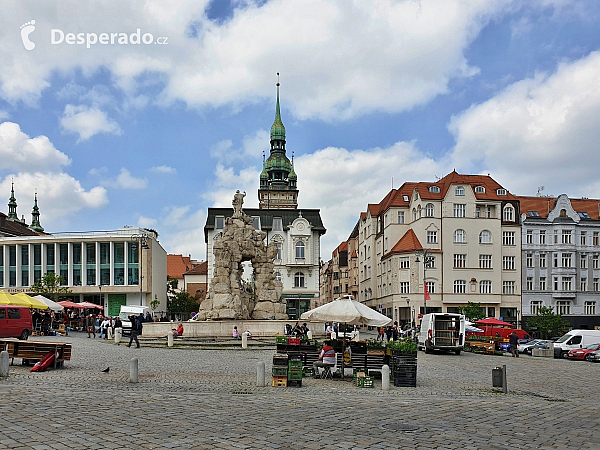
pixel 461 235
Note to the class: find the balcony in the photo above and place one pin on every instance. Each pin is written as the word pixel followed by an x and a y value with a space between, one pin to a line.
pixel 564 294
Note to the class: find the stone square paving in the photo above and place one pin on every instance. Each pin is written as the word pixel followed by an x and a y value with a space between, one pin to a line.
pixel 197 398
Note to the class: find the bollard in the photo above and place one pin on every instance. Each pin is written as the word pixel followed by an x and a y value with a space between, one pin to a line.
pixel 504 387
pixel 260 374
pixel 118 334
pixel 170 339
pixel 133 371
pixel 309 334
pixel 109 332
pixel 385 378
pixel 4 364
pixel 245 339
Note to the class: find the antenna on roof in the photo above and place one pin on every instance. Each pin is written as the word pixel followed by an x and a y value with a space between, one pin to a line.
pixel 539 192
pixel 392 183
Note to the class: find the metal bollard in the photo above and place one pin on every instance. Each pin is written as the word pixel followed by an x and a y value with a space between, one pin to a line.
pixel 309 334
pixel 133 371
pixel 385 378
pixel 245 339
pixel 260 374
pixel 118 334
pixel 170 339
pixel 4 364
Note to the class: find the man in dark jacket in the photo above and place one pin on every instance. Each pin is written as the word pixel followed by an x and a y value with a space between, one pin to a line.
pixel 514 341
pixel 136 328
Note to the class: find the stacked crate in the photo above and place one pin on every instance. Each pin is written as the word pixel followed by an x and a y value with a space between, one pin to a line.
pixel 294 371
pixel 280 370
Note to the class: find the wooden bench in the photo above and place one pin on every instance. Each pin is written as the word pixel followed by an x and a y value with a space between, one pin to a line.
pixel 486 346
pixel 35 350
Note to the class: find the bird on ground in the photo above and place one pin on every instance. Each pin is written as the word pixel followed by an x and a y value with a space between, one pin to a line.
pixel 106 370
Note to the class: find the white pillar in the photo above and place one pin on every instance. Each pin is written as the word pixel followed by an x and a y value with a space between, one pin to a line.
pixel 118 334
pixel 309 334
pixel 245 339
pixel 170 339
pixel 133 370
pixel 260 374
pixel 4 364
pixel 385 378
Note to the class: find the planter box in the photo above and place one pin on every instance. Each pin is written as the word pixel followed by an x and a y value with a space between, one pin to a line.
pixel 404 368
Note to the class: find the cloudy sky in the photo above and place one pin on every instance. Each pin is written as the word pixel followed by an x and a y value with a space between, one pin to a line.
pixel 122 112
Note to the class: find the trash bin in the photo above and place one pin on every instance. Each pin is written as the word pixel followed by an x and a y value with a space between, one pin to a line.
pixel 497 377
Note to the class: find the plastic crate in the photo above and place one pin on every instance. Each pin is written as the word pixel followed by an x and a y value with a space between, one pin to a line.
pixel 293 341
pixel 295 356
pixel 308 371
pixel 366 382
pixel 294 383
pixel 294 363
pixel 280 371
pixel 281 339
pixel 280 359
pixel 294 375
pixel 279 382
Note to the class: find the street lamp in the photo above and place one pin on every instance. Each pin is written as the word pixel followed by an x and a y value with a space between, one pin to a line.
pixel 427 260
pixel 142 239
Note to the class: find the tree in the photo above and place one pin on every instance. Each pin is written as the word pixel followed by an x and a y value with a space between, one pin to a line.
pixel 547 323
pixel 179 302
pixel 51 286
pixel 473 311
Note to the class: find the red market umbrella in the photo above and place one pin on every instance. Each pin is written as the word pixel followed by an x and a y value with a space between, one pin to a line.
pixel 493 322
pixel 90 305
pixel 70 304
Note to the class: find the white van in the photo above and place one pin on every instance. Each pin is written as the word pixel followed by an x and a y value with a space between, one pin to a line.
pixel 127 311
pixel 575 339
pixel 442 331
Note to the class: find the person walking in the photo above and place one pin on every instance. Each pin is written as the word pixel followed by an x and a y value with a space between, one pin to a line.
pixel 90 325
pixel 514 341
pixel 136 328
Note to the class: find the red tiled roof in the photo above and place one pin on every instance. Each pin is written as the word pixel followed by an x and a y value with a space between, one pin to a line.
pixel 454 178
pixel 354 254
pixel 177 265
pixel 543 205
pixel 407 243
pixel 198 269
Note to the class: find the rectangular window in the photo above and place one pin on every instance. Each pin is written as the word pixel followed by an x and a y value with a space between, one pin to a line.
pixel 432 237
pixel 555 260
pixel 563 307
pixel 542 283
pixel 24 255
pixel 529 260
pixel 542 236
pixel 508 238
pixel 529 285
pixel 535 306
pixel 508 287
pixel 104 252
pixel 405 263
pixel 583 261
pixel 485 261
pixel 460 261
pixel 595 264
pixel 256 223
pixel 50 255
pixel 431 287
pixel 219 223
pixel 63 253
pixel 566 237
pixel 508 263
pixel 277 224
pixel 556 236
pixel 567 284
pixel 485 287
pixel 590 308
pixel 583 284
pixel 566 260
pixel 37 254
pixel 400 217
pixel 582 238
pixel 596 284
pixel 460 210
pixel 595 239
pixel 555 282
pixel 460 286
pixel 430 262
pixel 76 253
pixel 542 260
pixel 404 287
pixel 491 311
pixel 529 236
pixel 90 253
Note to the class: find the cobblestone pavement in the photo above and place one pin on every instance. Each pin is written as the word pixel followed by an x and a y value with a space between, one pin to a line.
pixel 190 398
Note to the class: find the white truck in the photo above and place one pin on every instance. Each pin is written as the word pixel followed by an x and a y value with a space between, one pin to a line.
pixel 575 339
pixel 127 311
pixel 442 331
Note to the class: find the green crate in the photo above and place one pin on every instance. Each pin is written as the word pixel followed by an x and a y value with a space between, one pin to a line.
pixel 366 382
pixel 294 375
pixel 308 371
pixel 295 364
pixel 281 339
pixel 280 371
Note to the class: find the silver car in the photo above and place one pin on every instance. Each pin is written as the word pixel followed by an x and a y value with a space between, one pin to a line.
pixel 594 356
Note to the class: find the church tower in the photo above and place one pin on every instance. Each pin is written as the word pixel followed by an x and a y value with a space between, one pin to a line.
pixel 12 204
pixel 35 217
pixel 278 188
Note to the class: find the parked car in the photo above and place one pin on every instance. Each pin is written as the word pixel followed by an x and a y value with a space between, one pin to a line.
pixel 594 356
pixel 523 345
pixel 540 343
pixel 583 353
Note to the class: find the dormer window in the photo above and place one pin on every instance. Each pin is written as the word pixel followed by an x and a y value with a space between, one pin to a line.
pixel 509 213
pixel 460 191
pixel 533 214
pixel 219 222
pixel 405 198
pixel 500 191
pixel 434 189
pixel 583 215
pixel 479 190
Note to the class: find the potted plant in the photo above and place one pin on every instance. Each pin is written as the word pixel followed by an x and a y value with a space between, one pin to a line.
pixel 404 362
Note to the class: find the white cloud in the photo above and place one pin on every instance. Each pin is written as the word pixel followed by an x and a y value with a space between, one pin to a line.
pixel 538 131
pixel 164 169
pixel 127 181
pixel 87 121
pixel 20 152
pixel 146 222
pixel 227 182
pixel 386 56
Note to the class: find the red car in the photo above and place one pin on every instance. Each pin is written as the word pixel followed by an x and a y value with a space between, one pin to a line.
pixel 583 353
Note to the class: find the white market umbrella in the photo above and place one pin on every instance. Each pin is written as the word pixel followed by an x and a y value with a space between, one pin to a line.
pixel 52 305
pixel 346 310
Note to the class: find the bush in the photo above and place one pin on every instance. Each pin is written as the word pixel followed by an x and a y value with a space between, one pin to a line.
pixel 405 345
pixel 374 343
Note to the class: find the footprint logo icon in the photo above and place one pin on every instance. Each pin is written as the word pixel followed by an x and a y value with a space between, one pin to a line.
pixel 26 30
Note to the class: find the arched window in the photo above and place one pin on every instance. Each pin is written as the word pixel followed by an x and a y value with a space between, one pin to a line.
pixel 460 191
pixel 479 190
pixel 419 211
pixel 278 276
pixel 299 280
pixel 300 249
pixel 414 214
pixel 460 236
pixel 434 189
pixel 279 247
pixel 485 237
pixel 509 214
pixel 429 210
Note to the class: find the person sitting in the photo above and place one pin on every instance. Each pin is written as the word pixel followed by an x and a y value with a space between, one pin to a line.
pixel 235 333
pixel 326 358
pixel 328 330
pixel 288 329
pixel 304 329
pixel 178 331
pixel 297 330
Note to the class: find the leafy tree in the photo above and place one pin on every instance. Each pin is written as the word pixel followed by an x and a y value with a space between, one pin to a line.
pixel 547 323
pixel 178 302
pixel 51 286
pixel 473 311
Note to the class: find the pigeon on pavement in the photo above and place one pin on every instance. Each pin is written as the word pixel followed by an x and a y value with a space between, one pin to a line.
pixel 106 370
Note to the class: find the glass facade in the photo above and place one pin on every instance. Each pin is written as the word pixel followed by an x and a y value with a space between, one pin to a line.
pixel 90 261
pixel 119 264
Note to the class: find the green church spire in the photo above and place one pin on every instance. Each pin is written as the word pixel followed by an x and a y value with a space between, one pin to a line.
pixel 277 129
pixel 12 204
pixel 35 217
